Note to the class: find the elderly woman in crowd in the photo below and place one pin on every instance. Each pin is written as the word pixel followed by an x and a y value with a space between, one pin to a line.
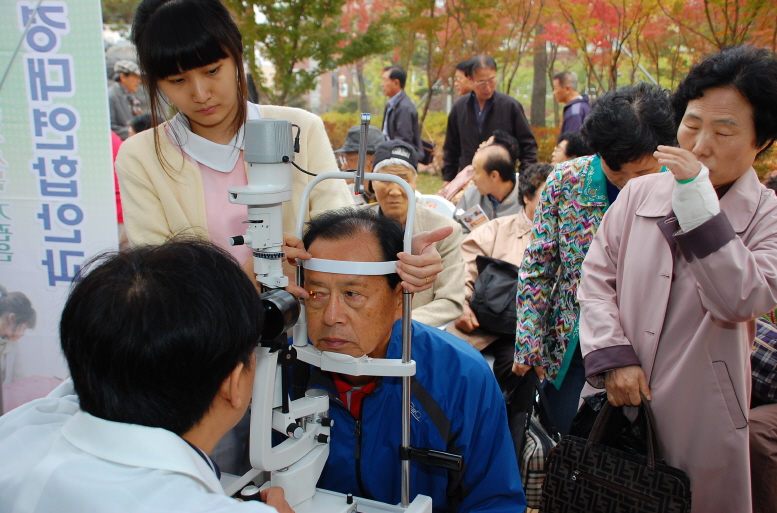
pixel 681 265
pixel 504 238
pixel 624 128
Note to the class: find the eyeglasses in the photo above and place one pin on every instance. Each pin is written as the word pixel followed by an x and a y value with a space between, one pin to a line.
pixel 490 81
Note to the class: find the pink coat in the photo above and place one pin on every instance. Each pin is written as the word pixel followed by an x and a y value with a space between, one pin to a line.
pixel 682 306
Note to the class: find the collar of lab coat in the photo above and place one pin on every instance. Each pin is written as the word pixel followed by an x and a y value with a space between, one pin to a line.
pixel 740 202
pixel 139 446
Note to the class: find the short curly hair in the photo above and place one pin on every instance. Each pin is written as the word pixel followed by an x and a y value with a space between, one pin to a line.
pixel 751 71
pixel 531 179
pixel 629 123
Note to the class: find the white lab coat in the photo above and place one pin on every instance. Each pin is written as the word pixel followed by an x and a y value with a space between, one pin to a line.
pixel 56 458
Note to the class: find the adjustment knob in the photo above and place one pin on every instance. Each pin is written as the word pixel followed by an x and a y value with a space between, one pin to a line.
pixel 327 422
pixel 238 240
pixel 294 431
pixel 322 438
pixel 250 493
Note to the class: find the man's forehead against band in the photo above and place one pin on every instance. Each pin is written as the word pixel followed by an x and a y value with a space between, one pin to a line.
pixel 348 267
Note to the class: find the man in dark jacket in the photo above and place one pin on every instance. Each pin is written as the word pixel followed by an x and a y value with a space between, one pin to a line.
pixel 456 404
pixel 400 117
pixel 474 118
pixel 576 106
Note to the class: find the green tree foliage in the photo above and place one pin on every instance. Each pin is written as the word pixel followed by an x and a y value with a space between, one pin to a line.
pixel 118 14
pixel 302 39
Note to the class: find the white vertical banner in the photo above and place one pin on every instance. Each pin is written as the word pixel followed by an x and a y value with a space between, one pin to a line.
pixel 57 199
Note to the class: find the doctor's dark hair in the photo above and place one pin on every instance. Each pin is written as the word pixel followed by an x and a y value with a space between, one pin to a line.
pixel 174 36
pixel 627 124
pixel 150 334
pixel 345 223
pixel 751 71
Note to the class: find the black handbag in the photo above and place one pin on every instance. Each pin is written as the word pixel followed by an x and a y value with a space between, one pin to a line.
pixel 532 429
pixel 585 475
pixel 493 297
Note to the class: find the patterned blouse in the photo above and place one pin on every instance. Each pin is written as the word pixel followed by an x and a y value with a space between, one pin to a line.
pixel 571 208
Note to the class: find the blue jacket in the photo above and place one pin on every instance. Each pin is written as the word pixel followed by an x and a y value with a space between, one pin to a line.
pixel 456 406
pixel 575 113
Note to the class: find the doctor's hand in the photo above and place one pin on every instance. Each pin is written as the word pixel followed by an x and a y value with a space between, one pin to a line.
pixel 274 497
pixel 624 385
pixel 419 270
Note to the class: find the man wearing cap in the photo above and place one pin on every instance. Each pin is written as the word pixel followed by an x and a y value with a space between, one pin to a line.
pixel 444 301
pixel 455 402
pixel 400 117
pixel 348 158
pixel 121 96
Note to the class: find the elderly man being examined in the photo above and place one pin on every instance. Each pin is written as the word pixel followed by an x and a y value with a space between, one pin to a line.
pixel 456 402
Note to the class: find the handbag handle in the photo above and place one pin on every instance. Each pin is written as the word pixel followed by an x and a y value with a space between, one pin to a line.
pixel 542 406
pixel 653 450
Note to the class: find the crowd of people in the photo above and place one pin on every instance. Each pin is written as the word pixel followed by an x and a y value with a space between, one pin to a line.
pixel 641 256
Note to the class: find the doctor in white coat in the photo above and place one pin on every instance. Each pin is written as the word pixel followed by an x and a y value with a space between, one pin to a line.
pixel 159 342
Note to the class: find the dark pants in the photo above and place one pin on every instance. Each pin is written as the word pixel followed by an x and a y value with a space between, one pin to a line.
pixel 763 457
pixel 503 350
pixel 563 403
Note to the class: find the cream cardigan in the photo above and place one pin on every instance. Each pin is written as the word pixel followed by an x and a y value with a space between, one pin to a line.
pixel 162 202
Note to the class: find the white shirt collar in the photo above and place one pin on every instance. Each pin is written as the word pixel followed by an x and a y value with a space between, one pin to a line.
pixel 221 157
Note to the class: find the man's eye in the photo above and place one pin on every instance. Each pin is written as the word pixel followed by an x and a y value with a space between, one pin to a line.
pixel 316 295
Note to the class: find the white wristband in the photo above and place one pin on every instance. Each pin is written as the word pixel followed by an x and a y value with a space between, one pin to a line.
pixel 695 202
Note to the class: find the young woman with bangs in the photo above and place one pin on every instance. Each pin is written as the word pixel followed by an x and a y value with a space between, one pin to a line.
pixel 174 178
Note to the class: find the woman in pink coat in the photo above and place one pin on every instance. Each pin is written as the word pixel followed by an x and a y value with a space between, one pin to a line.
pixel 682 264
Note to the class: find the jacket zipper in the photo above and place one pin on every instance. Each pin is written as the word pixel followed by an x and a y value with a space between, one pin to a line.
pixel 357 454
pixel 581 474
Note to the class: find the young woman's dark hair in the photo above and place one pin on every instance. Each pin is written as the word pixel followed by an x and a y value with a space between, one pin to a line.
pixel 576 145
pixel 358 222
pixel 751 71
pixel 531 179
pixel 18 304
pixel 150 334
pixel 174 36
pixel 628 124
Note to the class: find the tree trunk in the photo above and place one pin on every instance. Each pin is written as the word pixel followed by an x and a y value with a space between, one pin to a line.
pixel 539 86
pixel 364 101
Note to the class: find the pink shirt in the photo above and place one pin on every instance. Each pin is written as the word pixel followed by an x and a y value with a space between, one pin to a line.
pixel 225 219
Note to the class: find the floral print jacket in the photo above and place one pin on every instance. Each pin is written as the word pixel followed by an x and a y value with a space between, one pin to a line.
pixel 570 211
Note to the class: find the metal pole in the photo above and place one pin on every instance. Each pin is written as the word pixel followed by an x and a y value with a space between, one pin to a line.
pixel 18 46
pixel 407 332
